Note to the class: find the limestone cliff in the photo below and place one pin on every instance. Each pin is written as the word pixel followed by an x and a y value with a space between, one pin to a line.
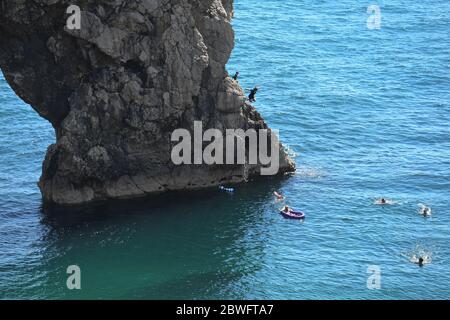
pixel 115 90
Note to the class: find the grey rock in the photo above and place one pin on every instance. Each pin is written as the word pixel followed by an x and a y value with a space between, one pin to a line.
pixel 115 90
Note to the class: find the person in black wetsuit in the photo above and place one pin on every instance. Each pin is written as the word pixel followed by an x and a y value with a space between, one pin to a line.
pixel 421 261
pixel 251 96
pixel 236 76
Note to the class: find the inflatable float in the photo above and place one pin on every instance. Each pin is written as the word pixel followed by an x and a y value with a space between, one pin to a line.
pixel 293 214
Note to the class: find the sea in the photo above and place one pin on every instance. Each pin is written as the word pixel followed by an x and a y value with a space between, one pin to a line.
pixel 360 93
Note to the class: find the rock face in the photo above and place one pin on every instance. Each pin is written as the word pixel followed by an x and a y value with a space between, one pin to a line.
pixel 116 89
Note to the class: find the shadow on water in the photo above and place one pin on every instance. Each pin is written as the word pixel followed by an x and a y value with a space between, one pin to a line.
pixel 57 216
pixel 183 245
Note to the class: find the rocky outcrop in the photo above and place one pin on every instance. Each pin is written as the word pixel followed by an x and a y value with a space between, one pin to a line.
pixel 115 90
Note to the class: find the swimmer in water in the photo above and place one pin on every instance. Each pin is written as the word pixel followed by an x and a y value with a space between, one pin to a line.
pixel 384 202
pixel 424 210
pixel 278 196
pixel 420 263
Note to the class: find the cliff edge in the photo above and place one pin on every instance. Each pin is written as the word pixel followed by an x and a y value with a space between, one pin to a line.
pixel 116 88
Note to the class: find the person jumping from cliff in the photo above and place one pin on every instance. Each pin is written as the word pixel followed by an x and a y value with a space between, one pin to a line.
pixel 251 96
pixel 236 76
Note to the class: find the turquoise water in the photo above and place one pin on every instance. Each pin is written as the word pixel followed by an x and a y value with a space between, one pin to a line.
pixel 367 114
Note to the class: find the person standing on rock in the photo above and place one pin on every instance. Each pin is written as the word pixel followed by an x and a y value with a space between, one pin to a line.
pixel 236 76
pixel 251 96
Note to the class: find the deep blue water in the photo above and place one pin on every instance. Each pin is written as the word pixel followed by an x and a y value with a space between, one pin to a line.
pixel 367 114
